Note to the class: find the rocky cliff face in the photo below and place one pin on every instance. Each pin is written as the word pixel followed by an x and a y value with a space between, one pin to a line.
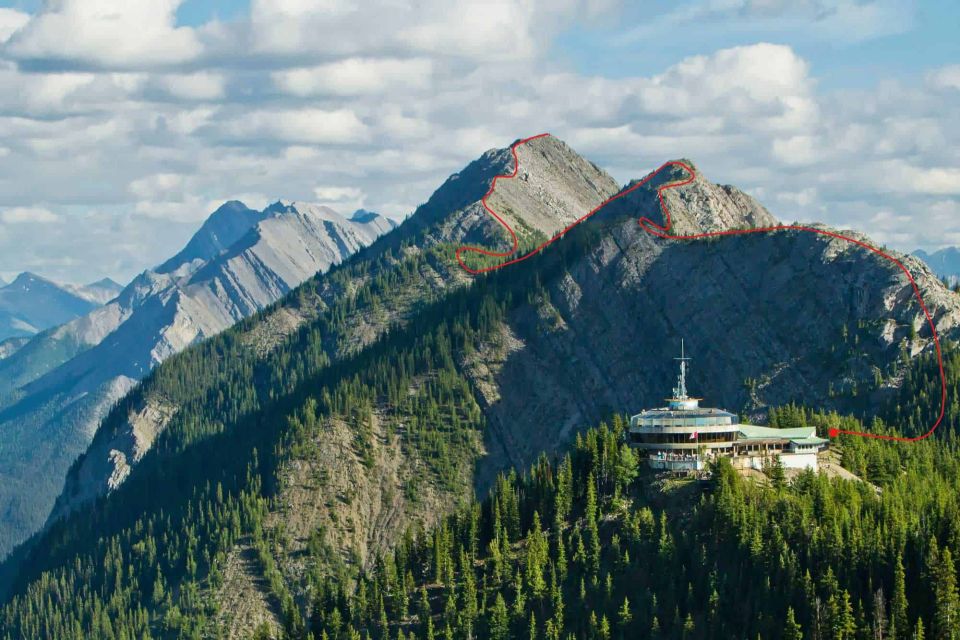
pixel 55 389
pixel 769 318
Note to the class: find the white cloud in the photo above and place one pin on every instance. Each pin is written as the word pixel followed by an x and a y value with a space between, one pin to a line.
pixel 344 200
pixel 767 81
pixel 355 76
pixel 104 34
pixel 947 77
pixel 11 21
pixel 203 85
pixel 157 185
pixel 477 29
pixel 317 126
pixel 796 150
pixel 898 175
pixel 28 215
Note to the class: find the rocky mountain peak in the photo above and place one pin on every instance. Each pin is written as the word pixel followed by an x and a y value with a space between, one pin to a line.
pixel 553 187
pixel 28 279
pixel 221 229
pixel 697 207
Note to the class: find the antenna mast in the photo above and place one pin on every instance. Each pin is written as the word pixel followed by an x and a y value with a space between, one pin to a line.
pixel 680 392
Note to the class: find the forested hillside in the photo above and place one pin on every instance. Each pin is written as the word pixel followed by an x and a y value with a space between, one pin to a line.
pixel 584 548
pixel 297 447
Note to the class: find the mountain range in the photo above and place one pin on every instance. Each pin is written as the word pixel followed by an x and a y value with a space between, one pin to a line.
pixel 55 388
pixel 31 304
pixel 945 262
pixel 245 475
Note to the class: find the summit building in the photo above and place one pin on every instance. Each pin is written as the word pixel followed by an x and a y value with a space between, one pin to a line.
pixel 683 436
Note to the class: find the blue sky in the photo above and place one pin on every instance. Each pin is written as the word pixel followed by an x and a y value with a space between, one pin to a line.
pixel 916 37
pixel 124 124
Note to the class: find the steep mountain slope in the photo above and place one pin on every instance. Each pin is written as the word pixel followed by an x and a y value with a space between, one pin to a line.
pixel 306 439
pixel 31 304
pixel 945 262
pixel 55 389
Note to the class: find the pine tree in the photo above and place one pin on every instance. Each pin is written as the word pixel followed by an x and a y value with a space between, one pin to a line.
pixel 899 625
pixel 624 617
pixel 499 620
pixel 792 630
pixel 946 620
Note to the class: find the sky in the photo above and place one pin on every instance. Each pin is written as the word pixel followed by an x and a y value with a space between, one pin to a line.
pixel 124 124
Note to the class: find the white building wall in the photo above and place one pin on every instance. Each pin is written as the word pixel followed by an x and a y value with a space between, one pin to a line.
pixel 789 461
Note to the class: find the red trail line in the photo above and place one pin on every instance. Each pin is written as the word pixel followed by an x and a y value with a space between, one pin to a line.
pixel 663 231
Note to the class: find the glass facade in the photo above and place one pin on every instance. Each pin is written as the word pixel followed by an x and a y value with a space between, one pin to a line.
pixel 682 438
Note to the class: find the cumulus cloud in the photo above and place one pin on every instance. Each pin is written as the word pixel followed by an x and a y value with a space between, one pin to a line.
pixel 103 34
pixel 356 76
pixel 11 21
pixel 201 86
pixel 947 77
pixel 343 199
pixel 317 126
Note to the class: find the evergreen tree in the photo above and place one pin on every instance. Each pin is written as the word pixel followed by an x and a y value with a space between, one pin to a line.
pixel 791 629
pixel 946 621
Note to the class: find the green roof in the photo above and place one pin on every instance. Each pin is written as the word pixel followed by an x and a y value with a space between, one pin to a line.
pixel 810 440
pixel 751 431
pixel 799 435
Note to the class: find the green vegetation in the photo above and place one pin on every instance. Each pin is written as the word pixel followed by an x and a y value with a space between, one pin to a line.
pixel 579 549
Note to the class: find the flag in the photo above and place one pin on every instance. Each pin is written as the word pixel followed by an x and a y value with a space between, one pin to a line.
pixel 693 436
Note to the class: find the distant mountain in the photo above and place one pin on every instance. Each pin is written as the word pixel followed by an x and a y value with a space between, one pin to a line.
pixel 100 292
pixel 11 345
pixel 945 262
pixel 55 389
pixel 31 304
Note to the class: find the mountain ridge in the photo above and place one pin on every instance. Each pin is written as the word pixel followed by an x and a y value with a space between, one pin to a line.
pixel 64 381
pixel 31 304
